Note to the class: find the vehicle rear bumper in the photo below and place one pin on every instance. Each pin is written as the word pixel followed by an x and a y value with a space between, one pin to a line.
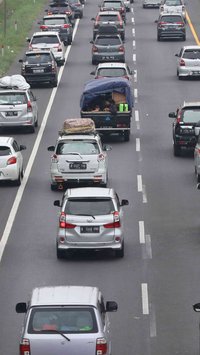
pixel 189 72
pixel 171 34
pixel 186 141
pixel 40 78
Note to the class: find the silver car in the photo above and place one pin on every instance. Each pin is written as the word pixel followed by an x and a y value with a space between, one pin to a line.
pixel 188 62
pixel 151 4
pixel 11 160
pixel 90 219
pixel 175 6
pixel 79 159
pixel 18 108
pixel 66 320
pixel 110 70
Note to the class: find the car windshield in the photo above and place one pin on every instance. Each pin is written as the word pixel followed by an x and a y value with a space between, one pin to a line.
pixel 192 54
pixel 4 151
pixel 54 21
pixel 66 320
pixel 112 4
pixel 38 58
pixel 109 18
pixel 191 115
pixel 106 41
pixel 171 19
pixel 12 98
pixel 44 39
pixel 112 72
pixel 89 206
pixel 83 147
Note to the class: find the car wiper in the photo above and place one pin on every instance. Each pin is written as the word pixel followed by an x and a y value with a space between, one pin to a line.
pixel 80 214
pixel 55 331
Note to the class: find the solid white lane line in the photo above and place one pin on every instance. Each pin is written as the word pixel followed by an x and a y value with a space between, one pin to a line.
pixel 141 232
pixel 137 118
pixel 21 189
pixel 137 144
pixel 134 57
pixel 139 183
pixel 145 300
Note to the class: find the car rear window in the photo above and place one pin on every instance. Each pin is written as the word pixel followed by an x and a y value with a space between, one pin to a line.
pixel 13 98
pixel 66 320
pixel 44 39
pixel 105 41
pixel 105 18
pixel 173 2
pixel 89 206
pixel 112 4
pixel 76 147
pixel 54 21
pixel 171 19
pixel 38 58
pixel 4 150
pixel 191 115
pixel 112 72
pixel 191 54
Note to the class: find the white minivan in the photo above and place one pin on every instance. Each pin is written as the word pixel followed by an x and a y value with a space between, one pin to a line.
pixel 66 320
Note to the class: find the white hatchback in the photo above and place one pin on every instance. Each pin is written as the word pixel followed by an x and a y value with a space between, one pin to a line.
pixel 48 40
pixel 11 160
pixel 79 159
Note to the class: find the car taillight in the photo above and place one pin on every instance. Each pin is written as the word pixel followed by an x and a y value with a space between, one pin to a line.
pixel 43 27
pixel 161 8
pixel 182 63
pixel 54 158
pixel 115 223
pixel 66 25
pixel 101 157
pixel 121 49
pixel 53 66
pixel 121 23
pixel 11 161
pixel 59 48
pixel 30 47
pixel 122 9
pixel 161 24
pixel 69 13
pixel 183 7
pixel 25 347
pixel 49 13
pixel 63 223
pixel 178 119
pixel 180 24
pixel 101 346
pixel 94 49
pixel 126 77
pixel 29 107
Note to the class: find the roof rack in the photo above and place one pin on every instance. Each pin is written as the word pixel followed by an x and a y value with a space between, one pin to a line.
pixel 63 133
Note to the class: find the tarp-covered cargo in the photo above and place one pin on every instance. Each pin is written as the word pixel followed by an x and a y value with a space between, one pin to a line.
pixel 77 125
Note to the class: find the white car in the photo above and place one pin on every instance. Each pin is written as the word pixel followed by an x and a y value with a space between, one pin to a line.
pixel 48 40
pixel 11 160
pixel 110 70
pixel 175 6
pixel 79 159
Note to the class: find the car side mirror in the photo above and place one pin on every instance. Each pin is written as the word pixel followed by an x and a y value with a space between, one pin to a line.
pixel 51 148
pixel 124 203
pixel 39 22
pixel 156 21
pixel 28 39
pixel 20 60
pixel 196 306
pixel 176 55
pixel 57 203
pixel 92 73
pixel 111 306
pixel 21 307
pixel 22 147
pixel 106 147
pixel 172 115
pixel 198 188
pixel 92 42
pixel 92 19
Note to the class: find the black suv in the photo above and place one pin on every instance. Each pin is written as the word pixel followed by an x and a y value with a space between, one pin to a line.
pixel 171 25
pixel 59 23
pixel 61 7
pixel 39 67
pixel 187 117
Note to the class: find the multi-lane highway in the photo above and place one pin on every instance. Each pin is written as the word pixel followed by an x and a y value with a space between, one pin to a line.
pixel 157 282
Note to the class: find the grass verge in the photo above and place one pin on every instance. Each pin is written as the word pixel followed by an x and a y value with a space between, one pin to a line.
pixel 16 20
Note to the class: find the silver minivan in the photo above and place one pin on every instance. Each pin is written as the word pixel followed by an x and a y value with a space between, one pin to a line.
pixel 66 320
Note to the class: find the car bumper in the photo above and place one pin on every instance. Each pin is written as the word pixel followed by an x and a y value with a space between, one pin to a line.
pixel 27 121
pixel 189 71
pixel 171 34
pixel 96 178
pixel 40 78
pixel 9 173
pixel 186 141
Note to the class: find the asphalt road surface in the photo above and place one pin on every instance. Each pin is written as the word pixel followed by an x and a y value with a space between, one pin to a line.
pixel 157 281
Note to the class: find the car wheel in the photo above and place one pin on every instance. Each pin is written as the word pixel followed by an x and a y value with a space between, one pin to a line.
pixel 54 83
pixel 126 136
pixel 19 179
pixel 158 38
pixel 177 150
pixel 94 62
pixel 36 121
pixel 69 41
pixel 81 16
pixel 32 129
pixel 60 253
pixel 184 38
pixel 120 252
pixel 54 187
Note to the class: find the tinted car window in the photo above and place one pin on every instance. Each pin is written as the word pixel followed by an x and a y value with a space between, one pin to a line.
pixel 108 18
pixel 171 19
pixel 108 41
pixel 38 58
pixel 173 2
pixel 44 39
pixel 112 4
pixel 70 320
pixel 112 72
pixel 191 115
pixel 4 151
pixel 54 21
pixel 89 206
pixel 15 146
pixel 12 98
pixel 191 54
pixel 81 147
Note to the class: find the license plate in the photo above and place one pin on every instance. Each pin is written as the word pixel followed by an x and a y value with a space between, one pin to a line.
pixel 89 229
pixel 11 113
pixel 109 57
pixel 78 166
pixel 38 70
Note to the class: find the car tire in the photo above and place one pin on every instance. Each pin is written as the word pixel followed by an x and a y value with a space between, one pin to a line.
pixel 60 253
pixel 32 129
pixel 81 16
pixel 126 136
pixel 197 175
pixel 177 150
pixel 184 38
pixel 158 38
pixel 54 83
pixel 69 41
pixel 54 187
pixel 94 62
pixel 19 179
pixel 119 253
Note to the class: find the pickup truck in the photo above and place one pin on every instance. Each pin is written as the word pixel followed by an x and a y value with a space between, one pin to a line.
pixel 94 101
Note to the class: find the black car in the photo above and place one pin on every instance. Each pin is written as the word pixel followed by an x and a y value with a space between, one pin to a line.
pixel 76 6
pixel 171 25
pixel 39 67
pixel 187 117
pixel 61 7
pixel 59 23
